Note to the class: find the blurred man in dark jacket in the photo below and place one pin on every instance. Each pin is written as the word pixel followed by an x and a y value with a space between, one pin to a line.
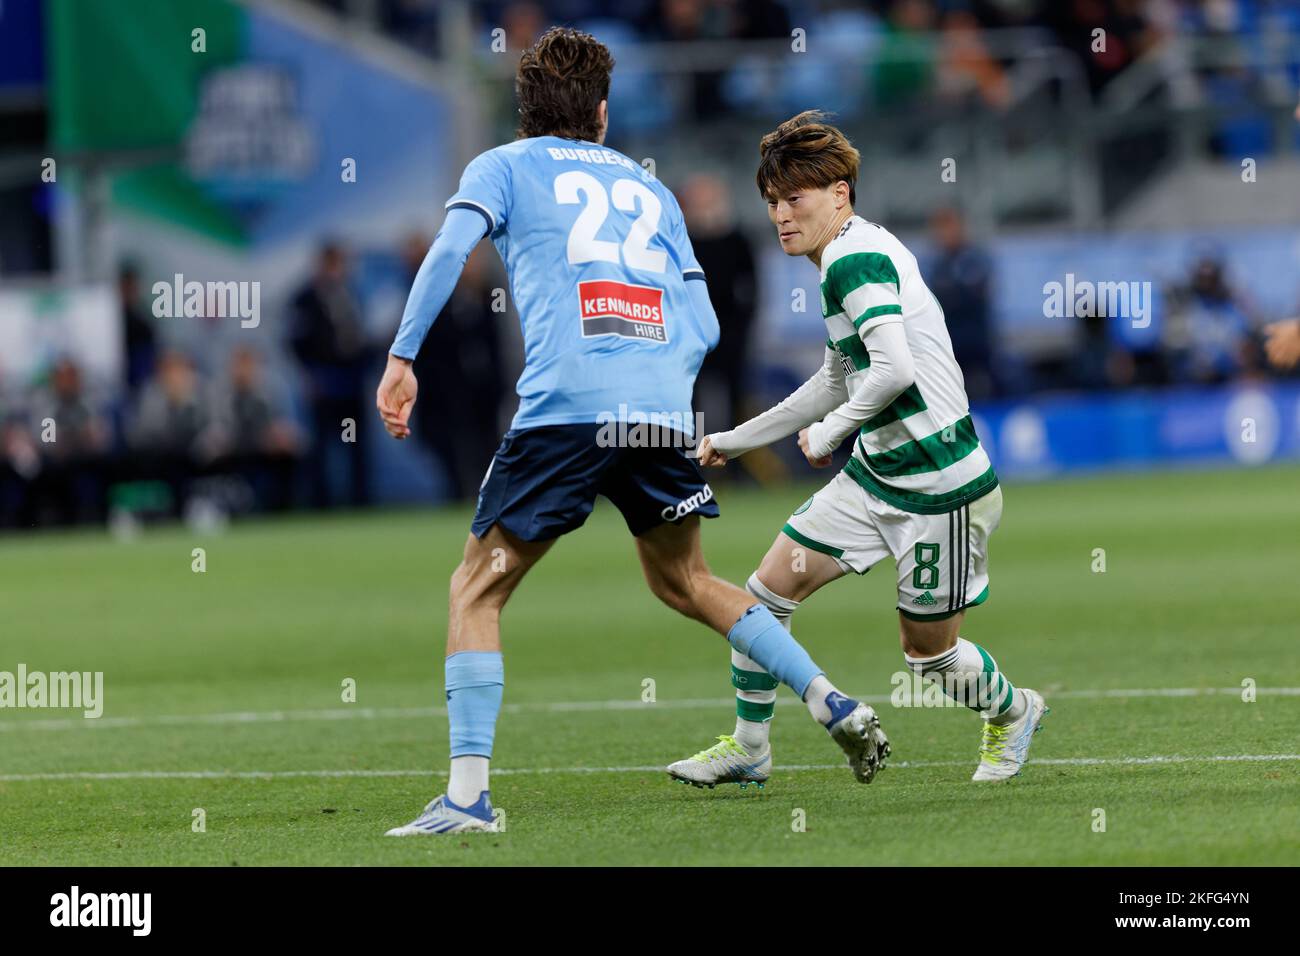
pixel 328 336
pixel 727 259
pixel 460 373
pixel 961 278
pixel 74 448
pixel 141 347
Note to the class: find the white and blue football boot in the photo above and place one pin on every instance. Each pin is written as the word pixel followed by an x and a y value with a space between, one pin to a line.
pixel 443 816
pixel 725 762
pixel 856 728
pixel 1004 749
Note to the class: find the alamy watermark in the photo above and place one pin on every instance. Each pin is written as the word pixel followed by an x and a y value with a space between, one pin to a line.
pixel 212 300
pixel 624 429
pixel 1083 298
pixel 55 690
pixel 129 910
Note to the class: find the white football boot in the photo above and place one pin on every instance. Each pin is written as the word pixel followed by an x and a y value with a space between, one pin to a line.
pixel 856 728
pixel 443 816
pixel 725 762
pixel 1004 749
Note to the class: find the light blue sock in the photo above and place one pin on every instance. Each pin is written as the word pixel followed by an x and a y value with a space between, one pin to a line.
pixel 475 680
pixel 760 637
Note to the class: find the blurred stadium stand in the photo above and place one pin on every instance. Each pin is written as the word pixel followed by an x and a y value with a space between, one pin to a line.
pixel 1163 150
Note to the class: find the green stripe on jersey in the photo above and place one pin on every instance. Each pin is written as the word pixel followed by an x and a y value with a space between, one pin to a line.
pixel 752 680
pixel 876 310
pixel 908 402
pixel 918 502
pixel 931 453
pixel 857 269
pixel 853 347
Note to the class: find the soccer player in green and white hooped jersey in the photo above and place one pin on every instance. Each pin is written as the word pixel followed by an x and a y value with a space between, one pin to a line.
pixel 918 488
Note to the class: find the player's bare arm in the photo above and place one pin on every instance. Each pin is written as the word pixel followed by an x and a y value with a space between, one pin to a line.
pixel 395 397
pixel 433 285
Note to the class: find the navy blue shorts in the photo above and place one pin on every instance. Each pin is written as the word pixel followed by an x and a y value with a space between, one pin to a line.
pixel 543 482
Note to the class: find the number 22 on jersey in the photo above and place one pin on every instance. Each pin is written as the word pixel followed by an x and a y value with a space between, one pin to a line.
pixel 583 246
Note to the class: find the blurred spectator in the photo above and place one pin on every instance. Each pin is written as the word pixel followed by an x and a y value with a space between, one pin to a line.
pixel 166 427
pixel 1206 335
pixel 1283 344
pixel 414 22
pixel 20 465
pixel 141 349
pixel 727 257
pixel 75 443
pixel 249 437
pixel 961 278
pixel 966 70
pixel 903 72
pixel 459 369
pixel 1244 127
pixel 686 21
pixel 1101 362
pixel 523 23
pixel 170 415
pixel 1107 35
pixel 328 337
pixel 757 19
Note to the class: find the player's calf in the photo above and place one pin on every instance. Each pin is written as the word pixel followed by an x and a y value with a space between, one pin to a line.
pixel 676 571
pixel 755 687
pixel 490 570
pixel 969 675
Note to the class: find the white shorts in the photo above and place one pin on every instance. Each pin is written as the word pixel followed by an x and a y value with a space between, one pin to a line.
pixel 942 560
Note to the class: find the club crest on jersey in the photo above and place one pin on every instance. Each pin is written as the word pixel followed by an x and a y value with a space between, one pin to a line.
pixel 616 308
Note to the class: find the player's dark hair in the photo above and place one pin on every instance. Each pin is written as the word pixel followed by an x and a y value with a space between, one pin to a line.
pixel 562 79
pixel 806 153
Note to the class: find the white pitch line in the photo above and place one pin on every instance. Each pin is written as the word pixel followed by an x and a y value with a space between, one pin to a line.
pixel 522 771
pixel 557 707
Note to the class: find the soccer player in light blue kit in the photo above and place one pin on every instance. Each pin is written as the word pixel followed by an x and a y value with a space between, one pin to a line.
pixel 616 319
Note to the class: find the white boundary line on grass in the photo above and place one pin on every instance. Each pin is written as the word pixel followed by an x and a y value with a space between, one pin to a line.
pixel 555 707
pixel 521 771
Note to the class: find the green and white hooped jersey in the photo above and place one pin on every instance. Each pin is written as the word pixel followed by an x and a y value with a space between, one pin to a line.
pixel 920 454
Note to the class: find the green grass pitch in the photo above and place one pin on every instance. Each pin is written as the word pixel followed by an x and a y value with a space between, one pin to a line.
pixel 223 693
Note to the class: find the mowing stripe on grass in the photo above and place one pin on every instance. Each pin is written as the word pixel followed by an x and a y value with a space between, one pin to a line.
pixel 556 707
pixel 521 771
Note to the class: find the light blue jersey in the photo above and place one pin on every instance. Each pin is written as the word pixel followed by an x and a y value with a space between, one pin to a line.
pixel 599 265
